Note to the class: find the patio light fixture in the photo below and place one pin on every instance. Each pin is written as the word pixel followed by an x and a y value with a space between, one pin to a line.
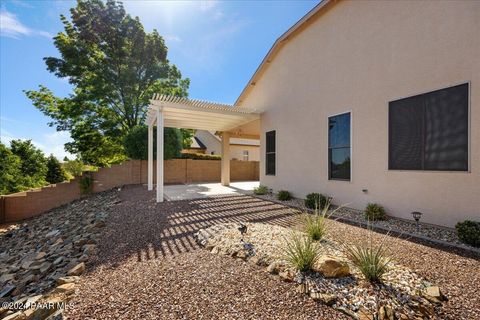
pixel 417 215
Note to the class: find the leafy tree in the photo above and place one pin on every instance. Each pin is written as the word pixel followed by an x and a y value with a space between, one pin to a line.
pixel 55 172
pixel 114 67
pixel 172 143
pixel 73 167
pixel 136 143
pixel 10 172
pixel 33 164
pixel 187 136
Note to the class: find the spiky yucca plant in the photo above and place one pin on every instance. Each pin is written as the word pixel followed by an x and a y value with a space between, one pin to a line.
pixel 301 252
pixel 371 259
pixel 316 224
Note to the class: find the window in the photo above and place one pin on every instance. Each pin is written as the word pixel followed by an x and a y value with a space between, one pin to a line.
pixel 339 147
pixel 270 153
pixel 430 131
pixel 245 155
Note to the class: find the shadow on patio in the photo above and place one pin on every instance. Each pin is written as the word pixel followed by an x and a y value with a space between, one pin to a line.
pixel 139 227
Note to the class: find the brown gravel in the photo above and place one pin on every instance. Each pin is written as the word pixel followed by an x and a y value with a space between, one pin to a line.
pixel 148 266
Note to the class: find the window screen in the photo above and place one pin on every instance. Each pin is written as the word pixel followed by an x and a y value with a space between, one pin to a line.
pixel 270 153
pixel 430 131
pixel 339 147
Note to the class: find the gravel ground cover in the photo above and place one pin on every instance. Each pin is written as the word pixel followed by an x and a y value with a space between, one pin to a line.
pixel 148 266
pixel 425 230
pixel 401 290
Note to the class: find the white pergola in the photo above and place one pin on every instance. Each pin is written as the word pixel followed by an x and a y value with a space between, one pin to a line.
pixel 175 112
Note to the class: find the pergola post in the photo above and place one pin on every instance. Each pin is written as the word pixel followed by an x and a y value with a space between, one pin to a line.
pixel 159 155
pixel 150 157
pixel 225 162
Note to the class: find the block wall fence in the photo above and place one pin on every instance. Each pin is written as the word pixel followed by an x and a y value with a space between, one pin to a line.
pixel 23 205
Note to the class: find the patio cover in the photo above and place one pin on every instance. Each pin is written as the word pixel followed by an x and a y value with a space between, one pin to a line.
pixel 176 112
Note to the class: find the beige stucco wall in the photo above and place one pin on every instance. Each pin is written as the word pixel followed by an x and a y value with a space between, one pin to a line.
pixel 236 152
pixel 357 57
pixel 213 145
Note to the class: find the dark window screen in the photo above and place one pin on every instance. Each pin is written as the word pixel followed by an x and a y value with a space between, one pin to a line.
pixel 430 131
pixel 270 153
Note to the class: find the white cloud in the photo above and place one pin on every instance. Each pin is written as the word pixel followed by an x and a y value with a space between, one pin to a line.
pixel 173 38
pixel 49 143
pixel 11 27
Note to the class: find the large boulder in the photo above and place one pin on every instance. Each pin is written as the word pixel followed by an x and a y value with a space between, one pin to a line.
pixel 332 267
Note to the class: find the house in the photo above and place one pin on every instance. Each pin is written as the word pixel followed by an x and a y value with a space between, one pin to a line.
pixel 368 101
pixel 207 142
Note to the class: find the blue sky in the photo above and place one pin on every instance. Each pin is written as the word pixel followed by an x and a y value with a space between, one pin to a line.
pixel 217 44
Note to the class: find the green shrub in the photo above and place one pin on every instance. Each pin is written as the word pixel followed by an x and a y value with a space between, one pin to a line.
pixel 374 212
pixel 315 200
pixel 284 195
pixel 85 184
pixel 301 252
pixel 260 190
pixel 469 232
pixel 199 156
pixel 371 260
pixel 55 171
pixel 73 167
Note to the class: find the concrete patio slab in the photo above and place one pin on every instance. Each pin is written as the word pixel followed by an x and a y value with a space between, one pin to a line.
pixel 203 190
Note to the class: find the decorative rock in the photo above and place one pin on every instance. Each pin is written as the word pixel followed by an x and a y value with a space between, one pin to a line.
pixel 7 291
pixel 99 224
pixel 52 233
pixel 276 267
pixel 7 277
pixel 287 275
pixel 16 316
pixel 65 288
pixel 77 270
pixel 328 299
pixel 71 279
pixel 332 267
pixel 365 315
pixel 58 261
pixel 434 295
pixel 40 255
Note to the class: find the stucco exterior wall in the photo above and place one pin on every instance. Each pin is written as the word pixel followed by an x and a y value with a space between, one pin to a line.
pixel 213 145
pixel 236 152
pixel 358 56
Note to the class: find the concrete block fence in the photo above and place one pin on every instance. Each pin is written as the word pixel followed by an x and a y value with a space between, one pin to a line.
pixel 23 205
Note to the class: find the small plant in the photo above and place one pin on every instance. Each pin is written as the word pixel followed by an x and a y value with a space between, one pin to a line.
pixel 284 195
pixel 260 190
pixel 374 212
pixel 301 252
pixel 85 184
pixel 371 259
pixel 469 232
pixel 315 200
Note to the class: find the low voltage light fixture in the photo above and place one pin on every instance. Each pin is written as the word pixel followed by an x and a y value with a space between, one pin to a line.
pixel 417 215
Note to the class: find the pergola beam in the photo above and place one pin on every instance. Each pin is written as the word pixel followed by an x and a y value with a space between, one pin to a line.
pixel 176 112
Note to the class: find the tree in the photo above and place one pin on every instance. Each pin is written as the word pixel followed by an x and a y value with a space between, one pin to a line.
pixel 114 67
pixel 10 172
pixel 55 172
pixel 187 136
pixel 136 143
pixel 33 164
pixel 73 167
